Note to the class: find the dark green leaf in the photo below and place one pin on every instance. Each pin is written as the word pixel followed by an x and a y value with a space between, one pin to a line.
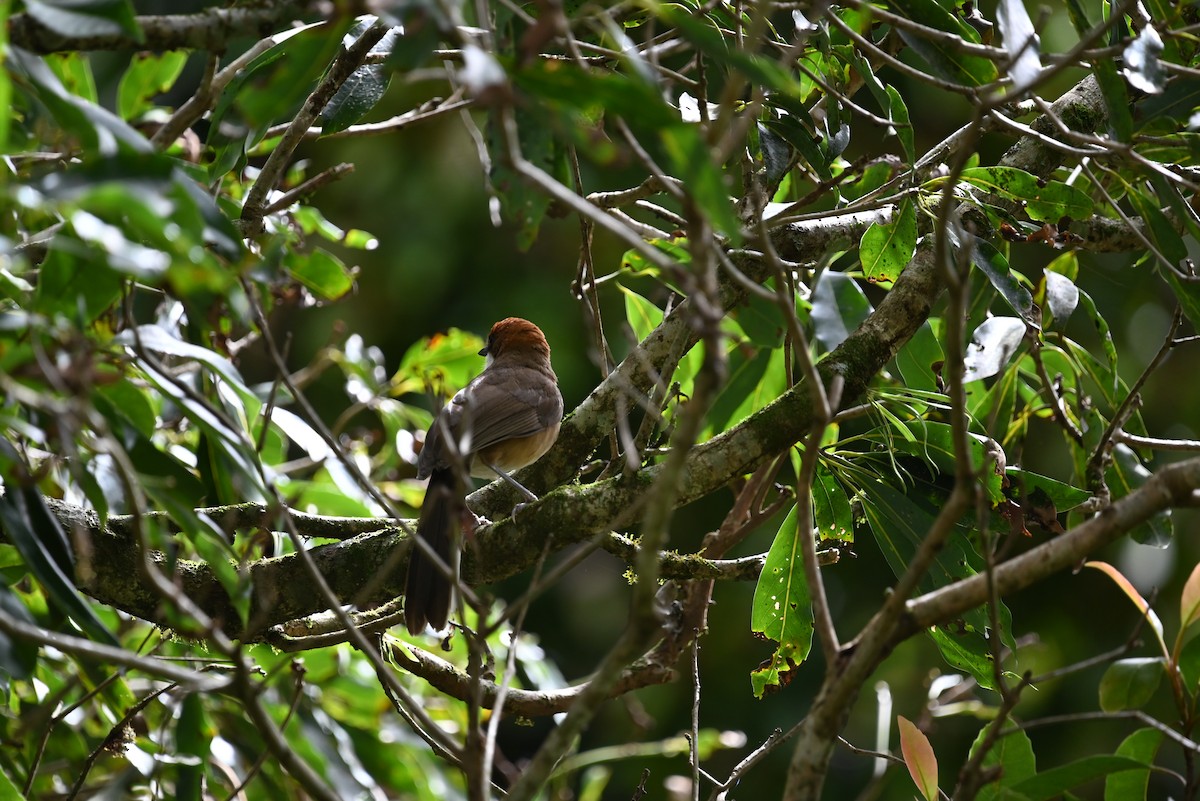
pixel 78 285
pixel 1063 496
pixel 365 87
pixel 1142 745
pixel 83 18
pixel 1189 665
pixel 934 442
pixel 917 358
pixel 1013 755
pixel 776 155
pixel 1051 784
pixel 832 515
pixel 18 657
pixel 947 61
pixel 1130 683
pixel 995 267
pixel 1178 102
pixel 900 522
pixel 1126 474
pixel 782 609
pixel 28 525
pixel 885 250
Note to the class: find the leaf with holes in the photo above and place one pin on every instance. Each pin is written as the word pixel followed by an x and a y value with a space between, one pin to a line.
pixel 782 609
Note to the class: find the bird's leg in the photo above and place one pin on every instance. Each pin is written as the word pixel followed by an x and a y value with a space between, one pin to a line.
pixel 520 487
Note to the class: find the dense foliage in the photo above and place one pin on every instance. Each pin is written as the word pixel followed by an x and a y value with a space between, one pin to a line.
pixel 893 284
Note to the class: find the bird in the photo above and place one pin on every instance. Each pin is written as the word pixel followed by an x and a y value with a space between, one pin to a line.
pixel 503 420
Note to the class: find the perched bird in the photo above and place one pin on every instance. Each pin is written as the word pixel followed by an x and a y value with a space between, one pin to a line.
pixel 505 419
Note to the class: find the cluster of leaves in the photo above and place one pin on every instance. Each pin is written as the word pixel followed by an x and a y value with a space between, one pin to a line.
pixel 131 288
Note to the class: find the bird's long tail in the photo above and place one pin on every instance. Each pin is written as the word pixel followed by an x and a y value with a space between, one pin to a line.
pixel 427 591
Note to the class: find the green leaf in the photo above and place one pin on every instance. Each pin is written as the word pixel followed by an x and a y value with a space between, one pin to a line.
pixel 995 267
pixel 35 532
pixel 1044 201
pixel 755 379
pixel 934 442
pixel 898 113
pixel 78 285
pixel 193 738
pixel 1053 783
pixel 365 87
pixel 1189 665
pixel 838 307
pixel 18 657
pixel 917 358
pixel 704 180
pixel 1063 496
pixel 1125 785
pixel 82 18
pixel 321 271
pixel 918 758
pixel 1020 42
pixel 945 60
pixel 900 522
pixel 148 76
pixel 1013 755
pixel 885 250
pixel 782 609
pixel 832 515
pixel 1130 683
pixel 1126 474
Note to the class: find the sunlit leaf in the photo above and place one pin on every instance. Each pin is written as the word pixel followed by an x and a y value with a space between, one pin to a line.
pixel 992 345
pixel 1020 42
pixel 885 250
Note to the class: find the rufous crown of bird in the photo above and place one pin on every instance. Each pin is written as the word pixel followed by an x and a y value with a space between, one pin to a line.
pixel 502 421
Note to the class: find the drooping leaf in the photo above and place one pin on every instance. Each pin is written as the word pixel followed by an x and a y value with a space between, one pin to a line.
pixel 1062 296
pixel 832 515
pixel 917 359
pixel 918 758
pixel 782 609
pixel 1127 473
